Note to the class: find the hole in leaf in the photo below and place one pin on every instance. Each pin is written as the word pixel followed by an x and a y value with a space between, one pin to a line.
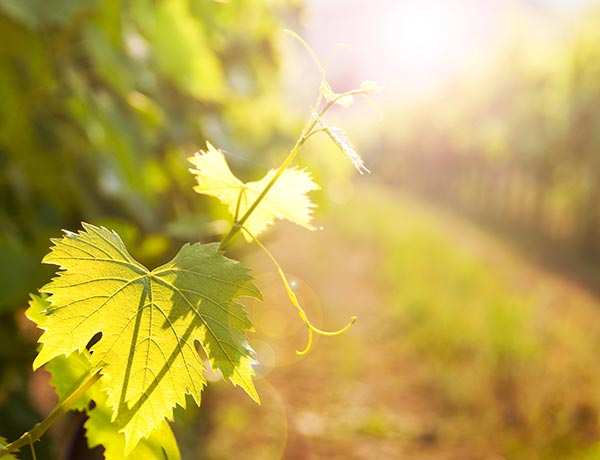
pixel 93 341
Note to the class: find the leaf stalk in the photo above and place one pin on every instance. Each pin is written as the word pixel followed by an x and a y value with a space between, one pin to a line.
pixel 33 435
pixel 291 156
pixel 292 296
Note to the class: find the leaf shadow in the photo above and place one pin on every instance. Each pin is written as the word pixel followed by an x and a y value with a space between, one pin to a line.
pixel 201 290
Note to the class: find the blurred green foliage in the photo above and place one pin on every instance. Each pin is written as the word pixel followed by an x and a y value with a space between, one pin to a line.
pixel 101 104
pixel 517 145
pixel 507 355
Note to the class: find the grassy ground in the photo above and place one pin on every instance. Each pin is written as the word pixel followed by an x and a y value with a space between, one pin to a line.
pixel 463 348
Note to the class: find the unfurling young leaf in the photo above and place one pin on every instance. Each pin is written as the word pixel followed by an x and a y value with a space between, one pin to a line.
pixel 287 199
pixel 341 140
pixel 370 87
pixel 339 137
pixel 149 321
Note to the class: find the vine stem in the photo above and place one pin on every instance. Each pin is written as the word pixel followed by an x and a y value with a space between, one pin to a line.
pixel 237 225
pixel 307 132
pixel 33 435
pixel 292 296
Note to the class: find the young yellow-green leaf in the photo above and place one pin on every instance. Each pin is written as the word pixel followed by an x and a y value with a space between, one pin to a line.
pixel 4 442
pixel 159 445
pixel 287 199
pixel 149 321
pixel 38 304
pixel 66 372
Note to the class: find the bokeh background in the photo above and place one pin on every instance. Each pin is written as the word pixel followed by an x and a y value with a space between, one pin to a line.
pixel 471 254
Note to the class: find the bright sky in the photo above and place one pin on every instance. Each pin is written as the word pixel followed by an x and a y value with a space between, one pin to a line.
pixel 414 46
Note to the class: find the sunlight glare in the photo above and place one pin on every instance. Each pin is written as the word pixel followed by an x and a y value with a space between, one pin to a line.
pixel 430 41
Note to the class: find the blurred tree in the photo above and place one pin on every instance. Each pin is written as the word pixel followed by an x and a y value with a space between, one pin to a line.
pixel 519 146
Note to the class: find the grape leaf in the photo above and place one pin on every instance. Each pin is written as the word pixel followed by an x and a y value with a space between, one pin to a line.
pixel 287 199
pixel 159 445
pixel 66 372
pixel 3 443
pixel 149 321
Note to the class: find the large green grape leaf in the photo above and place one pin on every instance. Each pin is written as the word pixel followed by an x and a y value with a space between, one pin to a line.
pixel 150 322
pixel 287 199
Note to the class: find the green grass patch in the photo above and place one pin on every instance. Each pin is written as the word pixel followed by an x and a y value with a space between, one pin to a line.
pixel 510 361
